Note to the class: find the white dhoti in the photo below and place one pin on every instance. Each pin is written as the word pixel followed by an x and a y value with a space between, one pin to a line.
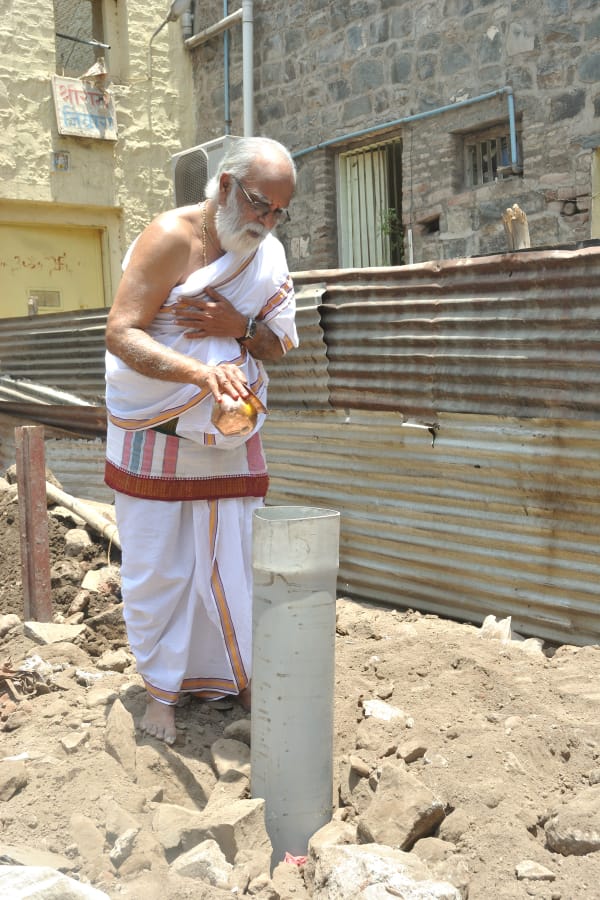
pixel 189 619
pixel 185 500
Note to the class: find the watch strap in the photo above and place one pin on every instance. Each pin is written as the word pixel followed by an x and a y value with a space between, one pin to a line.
pixel 250 330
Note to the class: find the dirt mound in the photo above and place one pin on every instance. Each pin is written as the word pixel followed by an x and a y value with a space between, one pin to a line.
pixel 505 735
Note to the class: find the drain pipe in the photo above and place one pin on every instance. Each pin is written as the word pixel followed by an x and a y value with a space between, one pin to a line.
pixel 226 109
pixel 294 564
pixel 246 15
pixel 514 157
pixel 248 66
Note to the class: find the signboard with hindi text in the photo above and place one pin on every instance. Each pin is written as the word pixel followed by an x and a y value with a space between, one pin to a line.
pixel 83 110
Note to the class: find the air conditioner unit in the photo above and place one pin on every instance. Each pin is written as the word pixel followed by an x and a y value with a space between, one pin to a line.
pixel 193 168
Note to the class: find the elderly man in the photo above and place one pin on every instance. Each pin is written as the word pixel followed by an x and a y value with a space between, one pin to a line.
pixel 204 298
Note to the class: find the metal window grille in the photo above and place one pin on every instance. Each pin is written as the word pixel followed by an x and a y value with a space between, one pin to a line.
pixel 370 214
pixel 487 159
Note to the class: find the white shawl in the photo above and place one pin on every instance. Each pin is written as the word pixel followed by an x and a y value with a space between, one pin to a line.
pixel 259 286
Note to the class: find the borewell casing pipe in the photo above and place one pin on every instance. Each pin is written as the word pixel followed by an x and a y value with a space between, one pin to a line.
pixel 295 564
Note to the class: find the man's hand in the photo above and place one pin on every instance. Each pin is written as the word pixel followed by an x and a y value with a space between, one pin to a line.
pixel 209 314
pixel 223 379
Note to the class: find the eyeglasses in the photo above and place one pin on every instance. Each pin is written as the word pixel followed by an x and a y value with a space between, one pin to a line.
pixel 261 207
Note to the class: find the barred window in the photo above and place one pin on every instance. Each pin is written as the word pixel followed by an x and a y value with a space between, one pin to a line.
pixel 487 156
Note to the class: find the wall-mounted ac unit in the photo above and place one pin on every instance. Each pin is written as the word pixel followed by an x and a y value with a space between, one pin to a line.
pixel 193 168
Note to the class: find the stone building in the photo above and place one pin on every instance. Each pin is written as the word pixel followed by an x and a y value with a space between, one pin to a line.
pixel 84 162
pixel 416 123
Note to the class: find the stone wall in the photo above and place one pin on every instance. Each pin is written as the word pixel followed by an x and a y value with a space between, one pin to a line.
pixel 325 71
pixel 114 186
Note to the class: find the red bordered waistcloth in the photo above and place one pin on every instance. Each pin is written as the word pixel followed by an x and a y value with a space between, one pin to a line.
pixel 159 466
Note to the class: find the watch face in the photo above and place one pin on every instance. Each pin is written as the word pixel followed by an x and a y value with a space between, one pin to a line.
pixel 251 329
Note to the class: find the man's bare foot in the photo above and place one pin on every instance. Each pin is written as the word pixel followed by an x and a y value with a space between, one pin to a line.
pixel 244 698
pixel 159 721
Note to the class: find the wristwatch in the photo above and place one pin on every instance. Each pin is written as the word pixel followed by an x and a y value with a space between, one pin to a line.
pixel 250 330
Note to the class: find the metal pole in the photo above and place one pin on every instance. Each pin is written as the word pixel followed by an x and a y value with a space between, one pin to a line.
pixel 248 66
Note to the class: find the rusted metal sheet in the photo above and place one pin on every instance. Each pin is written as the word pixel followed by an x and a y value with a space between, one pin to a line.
pixel 449 410
pixel 483 515
pixel 300 380
pixel 77 462
pixel 64 350
pixel 514 334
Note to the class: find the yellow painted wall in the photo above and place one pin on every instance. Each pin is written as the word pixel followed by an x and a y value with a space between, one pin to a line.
pixel 46 270
pixel 111 188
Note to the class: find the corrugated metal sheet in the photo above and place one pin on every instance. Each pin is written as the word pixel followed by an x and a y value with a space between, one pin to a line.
pixel 514 334
pixel 449 410
pixel 300 380
pixel 78 463
pixel 486 515
pixel 63 350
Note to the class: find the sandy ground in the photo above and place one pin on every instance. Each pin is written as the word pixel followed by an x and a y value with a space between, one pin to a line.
pixel 509 732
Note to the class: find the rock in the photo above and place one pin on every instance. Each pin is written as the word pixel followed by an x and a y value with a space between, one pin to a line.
pixel 573 829
pixel 529 870
pixel 64 654
pixel 32 856
pixel 354 789
pixel 359 767
pixel 232 785
pixel 238 730
pixel 205 862
pixel 454 826
pixel 410 751
pixel 109 618
pixel 350 872
pixel 263 888
pixel 37 883
pixel 77 540
pixel 80 603
pixel 288 883
pixel 238 828
pixel 67 516
pixel 444 862
pixel 72 742
pixel 379 736
pixel 13 778
pixel 229 754
pixel 402 811
pixel 122 847
pixel 51 633
pixel 334 834
pixel 88 837
pixel 115 660
pixel 118 820
pixel 66 572
pixel 378 709
pixel 106 580
pixel 120 737
pixel 7 623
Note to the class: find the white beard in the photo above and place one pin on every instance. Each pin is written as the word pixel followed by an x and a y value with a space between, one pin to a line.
pixel 235 237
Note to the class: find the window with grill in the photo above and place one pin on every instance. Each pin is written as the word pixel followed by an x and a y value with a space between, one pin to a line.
pixel 487 156
pixel 370 206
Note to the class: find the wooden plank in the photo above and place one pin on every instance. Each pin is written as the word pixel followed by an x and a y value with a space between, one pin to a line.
pixel 33 522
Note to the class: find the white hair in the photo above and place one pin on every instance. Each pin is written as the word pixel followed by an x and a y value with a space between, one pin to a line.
pixel 240 158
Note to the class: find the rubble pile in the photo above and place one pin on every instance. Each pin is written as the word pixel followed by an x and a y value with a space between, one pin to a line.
pixel 466 764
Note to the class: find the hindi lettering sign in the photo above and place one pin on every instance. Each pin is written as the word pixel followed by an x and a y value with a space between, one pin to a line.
pixel 82 110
